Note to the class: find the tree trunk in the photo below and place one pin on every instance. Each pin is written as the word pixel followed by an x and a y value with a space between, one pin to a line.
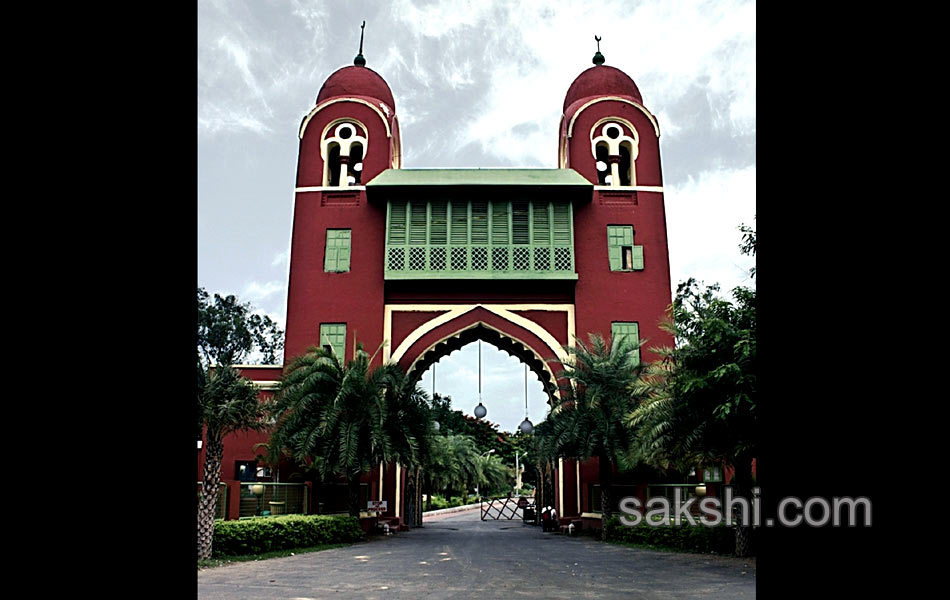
pixel 208 502
pixel 742 487
pixel 428 491
pixel 410 499
pixel 606 476
pixel 354 494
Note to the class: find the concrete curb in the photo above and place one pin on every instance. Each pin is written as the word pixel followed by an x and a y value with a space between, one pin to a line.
pixel 443 511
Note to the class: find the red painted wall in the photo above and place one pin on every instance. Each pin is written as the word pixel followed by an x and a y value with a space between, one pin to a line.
pixel 603 296
pixel 355 297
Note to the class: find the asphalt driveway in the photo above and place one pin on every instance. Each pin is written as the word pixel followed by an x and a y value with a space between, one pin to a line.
pixel 459 556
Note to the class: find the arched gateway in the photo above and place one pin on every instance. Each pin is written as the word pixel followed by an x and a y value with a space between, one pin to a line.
pixel 424 261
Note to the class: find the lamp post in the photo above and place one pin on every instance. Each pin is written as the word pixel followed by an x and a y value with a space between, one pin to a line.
pixel 518 469
pixel 258 490
pixel 484 454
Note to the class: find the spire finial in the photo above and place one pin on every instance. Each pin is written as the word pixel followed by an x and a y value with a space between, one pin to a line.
pixel 598 58
pixel 359 60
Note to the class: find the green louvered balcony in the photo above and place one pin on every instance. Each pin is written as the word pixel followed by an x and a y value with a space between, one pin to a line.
pixel 459 239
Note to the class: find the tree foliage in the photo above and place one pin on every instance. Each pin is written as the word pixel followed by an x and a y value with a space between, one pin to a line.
pixel 703 406
pixel 228 331
pixel 226 402
pixel 702 409
pixel 603 385
pixel 457 464
pixel 345 418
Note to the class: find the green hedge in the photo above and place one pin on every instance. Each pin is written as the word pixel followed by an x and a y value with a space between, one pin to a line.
pixel 255 536
pixel 685 538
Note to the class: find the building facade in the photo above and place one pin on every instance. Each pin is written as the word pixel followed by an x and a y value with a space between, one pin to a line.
pixel 421 262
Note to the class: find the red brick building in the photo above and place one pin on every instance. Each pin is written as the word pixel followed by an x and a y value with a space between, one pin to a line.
pixel 428 260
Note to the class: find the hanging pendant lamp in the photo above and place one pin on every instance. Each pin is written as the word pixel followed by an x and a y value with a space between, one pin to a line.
pixel 526 426
pixel 480 410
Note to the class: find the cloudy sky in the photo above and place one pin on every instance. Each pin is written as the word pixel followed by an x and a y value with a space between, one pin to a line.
pixel 461 73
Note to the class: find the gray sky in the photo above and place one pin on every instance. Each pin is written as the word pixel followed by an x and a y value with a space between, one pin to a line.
pixel 460 72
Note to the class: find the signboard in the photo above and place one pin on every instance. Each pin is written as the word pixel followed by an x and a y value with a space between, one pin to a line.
pixel 376 506
pixel 522 503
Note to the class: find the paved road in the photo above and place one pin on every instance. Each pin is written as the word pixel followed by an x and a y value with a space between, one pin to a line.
pixel 459 556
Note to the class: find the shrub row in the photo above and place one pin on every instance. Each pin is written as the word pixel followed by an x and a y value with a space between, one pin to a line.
pixel 685 538
pixel 255 536
pixel 439 502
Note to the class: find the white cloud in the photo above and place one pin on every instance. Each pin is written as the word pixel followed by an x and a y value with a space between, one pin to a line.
pixel 703 217
pixel 256 292
pixel 281 259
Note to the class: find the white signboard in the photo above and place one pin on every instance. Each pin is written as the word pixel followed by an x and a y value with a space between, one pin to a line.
pixel 376 506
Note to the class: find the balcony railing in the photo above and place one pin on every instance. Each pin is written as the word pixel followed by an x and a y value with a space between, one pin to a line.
pixel 507 261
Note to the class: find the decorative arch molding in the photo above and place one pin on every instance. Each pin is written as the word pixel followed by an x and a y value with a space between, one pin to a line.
pixel 319 107
pixel 505 341
pixel 633 130
pixel 506 312
pixel 586 105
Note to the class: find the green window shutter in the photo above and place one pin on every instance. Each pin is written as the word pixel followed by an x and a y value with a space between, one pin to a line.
pixel 520 233
pixel 638 258
pixel 619 331
pixel 613 253
pixel 417 223
pixel 397 223
pixel 459 234
pixel 479 223
pixel 475 239
pixel 334 335
pixel 337 255
pixel 562 224
pixel 499 223
pixel 438 224
pixel 619 237
pixel 542 224
pixel 343 250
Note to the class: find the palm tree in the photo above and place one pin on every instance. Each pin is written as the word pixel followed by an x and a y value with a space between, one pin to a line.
pixel 346 418
pixel 226 403
pixel 495 476
pixel 454 463
pixel 603 385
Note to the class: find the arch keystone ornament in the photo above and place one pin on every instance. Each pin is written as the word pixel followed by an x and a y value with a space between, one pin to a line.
pixel 434 259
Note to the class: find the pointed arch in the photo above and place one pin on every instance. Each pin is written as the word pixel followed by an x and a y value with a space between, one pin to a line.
pixel 500 325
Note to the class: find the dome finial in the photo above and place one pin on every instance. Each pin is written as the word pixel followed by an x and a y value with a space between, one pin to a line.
pixel 359 61
pixel 598 58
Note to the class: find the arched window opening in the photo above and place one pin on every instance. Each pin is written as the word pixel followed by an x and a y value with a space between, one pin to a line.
pixel 333 165
pixel 603 164
pixel 614 146
pixel 355 166
pixel 625 164
pixel 344 149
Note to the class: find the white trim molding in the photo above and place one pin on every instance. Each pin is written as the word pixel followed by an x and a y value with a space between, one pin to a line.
pixel 453 311
pixel 570 127
pixel 330 188
pixel 628 188
pixel 319 107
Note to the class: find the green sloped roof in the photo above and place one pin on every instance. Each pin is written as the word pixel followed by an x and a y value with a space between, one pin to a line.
pixel 465 177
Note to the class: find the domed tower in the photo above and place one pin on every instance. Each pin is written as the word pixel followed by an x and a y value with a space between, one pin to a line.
pixel 350 136
pixel 610 138
pixel 352 133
